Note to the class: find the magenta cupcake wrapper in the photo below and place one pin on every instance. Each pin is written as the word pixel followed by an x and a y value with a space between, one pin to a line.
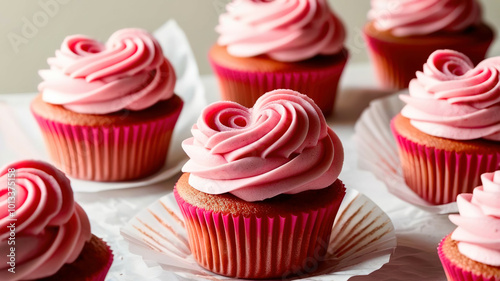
pixel 101 275
pixel 455 273
pixel 108 153
pixel 253 247
pixel 395 64
pixel 389 71
pixel 437 175
pixel 85 273
pixel 246 87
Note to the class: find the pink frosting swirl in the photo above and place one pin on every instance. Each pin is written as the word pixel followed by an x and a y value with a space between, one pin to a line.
pixel 128 72
pixel 285 30
pixel 453 99
pixel 280 146
pixel 50 228
pixel 478 231
pixel 421 17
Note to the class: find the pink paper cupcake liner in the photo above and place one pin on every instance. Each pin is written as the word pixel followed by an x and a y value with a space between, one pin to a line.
pixel 455 273
pixel 437 175
pixel 108 153
pixel 87 266
pixel 246 87
pixel 101 275
pixel 395 64
pixel 253 247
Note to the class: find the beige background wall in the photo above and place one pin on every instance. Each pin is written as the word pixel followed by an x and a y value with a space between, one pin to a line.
pixel 31 30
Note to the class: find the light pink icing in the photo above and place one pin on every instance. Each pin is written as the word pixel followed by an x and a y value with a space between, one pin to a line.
pixel 50 228
pixel 453 99
pixel 280 146
pixel 478 231
pixel 128 72
pixel 421 17
pixel 285 30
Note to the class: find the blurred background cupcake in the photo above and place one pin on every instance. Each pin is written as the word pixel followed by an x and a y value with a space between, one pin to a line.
pixel 107 111
pixel 282 44
pixel 472 250
pixel 261 191
pixel 44 233
pixel 400 35
pixel 448 134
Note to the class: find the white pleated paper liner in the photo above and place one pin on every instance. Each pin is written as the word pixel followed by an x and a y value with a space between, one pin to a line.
pixel 377 152
pixel 363 240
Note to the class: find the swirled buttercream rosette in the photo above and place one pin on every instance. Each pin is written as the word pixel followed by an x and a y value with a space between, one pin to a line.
pixel 284 30
pixel 472 250
pixel 417 17
pixel 128 72
pixel 453 99
pixel 283 44
pixel 107 111
pixel 283 142
pixel 399 28
pixel 42 228
pixel 448 132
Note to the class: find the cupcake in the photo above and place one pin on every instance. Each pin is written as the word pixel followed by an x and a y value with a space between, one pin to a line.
pixel 448 134
pixel 472 250
pixel 260 192
pixel 107 111
pixel 44 234
pixel 267 45
pixel 401 35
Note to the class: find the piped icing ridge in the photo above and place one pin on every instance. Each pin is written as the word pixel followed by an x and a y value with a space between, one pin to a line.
pixel 50 228
pixel 280 146
pixel 128 72
pixel 421 17
pixel 285 30
pixel 478 231
pixel 453 99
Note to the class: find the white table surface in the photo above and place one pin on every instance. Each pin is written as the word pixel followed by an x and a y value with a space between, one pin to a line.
pixel 418 232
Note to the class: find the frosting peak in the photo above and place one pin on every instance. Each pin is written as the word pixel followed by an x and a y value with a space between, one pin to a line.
pixel 453 99
pixel 478 231
pixel 128 72
pixel 280 146
pixel 285 30
pixel 421 17
pixel 50 228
